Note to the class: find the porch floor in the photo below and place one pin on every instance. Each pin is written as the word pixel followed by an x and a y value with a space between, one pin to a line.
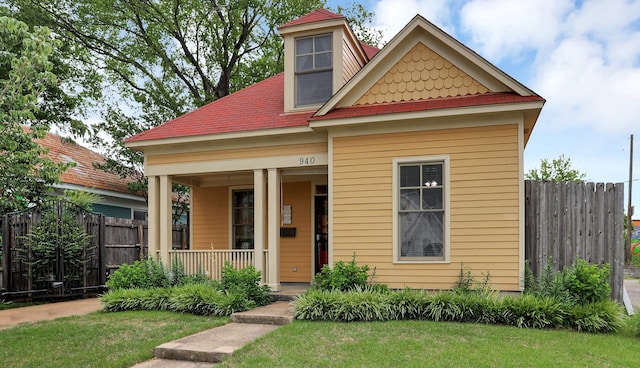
pixel 289 290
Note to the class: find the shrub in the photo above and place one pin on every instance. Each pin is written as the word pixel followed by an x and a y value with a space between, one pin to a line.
pixel 198 299
pixel 589 283
pixel 532 312
pixel 527 311
pixel 343 276
pixel 152 274
pixel 136 299
pixel 633 325
pixel 602 316
pixel 247 281
pixel 579 284
pixel 467 283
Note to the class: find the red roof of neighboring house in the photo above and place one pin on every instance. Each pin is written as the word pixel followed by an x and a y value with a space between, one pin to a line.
pixel 371 51
pixel 83 173
pixel 429 104
pixel 259 106
pixel 318 15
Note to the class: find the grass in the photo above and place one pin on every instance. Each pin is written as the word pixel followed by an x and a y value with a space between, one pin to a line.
pixel 10 305
pixel 433 344
pixel 98 339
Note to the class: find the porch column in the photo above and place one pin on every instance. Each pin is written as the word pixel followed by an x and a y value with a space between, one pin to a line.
pixel 153 238
pixel 273 186
pixel 259 220
pixel 165 218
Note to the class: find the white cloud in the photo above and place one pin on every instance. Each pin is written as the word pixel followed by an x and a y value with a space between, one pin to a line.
pixel 504 28
pixel 392 15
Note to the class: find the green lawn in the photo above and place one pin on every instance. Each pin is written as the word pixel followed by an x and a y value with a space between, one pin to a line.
pixel 124 338
pixel 433 344
pixel 98 339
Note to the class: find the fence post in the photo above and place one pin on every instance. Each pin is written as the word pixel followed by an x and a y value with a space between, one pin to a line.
pixel 141 242
pixel 102 253
pixel 6 253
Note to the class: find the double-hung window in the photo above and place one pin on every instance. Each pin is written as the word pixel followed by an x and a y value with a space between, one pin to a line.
pixel 421 210
pixel 242 219
pixel 314 70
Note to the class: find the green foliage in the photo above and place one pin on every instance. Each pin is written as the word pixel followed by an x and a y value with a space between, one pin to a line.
pixel 148 285
pixel 527 311
pixel 601 316
pixel 25 75
pixel 588 282
pixel 550 283
pixel 81 198
pixel 168 57
pixel 152 274
pixel 467 283
pixel 558 169
pixel 343 276
pixel 50 234
pixel 579 284
pixel 633 325
pixel 245 281
pixel 199 299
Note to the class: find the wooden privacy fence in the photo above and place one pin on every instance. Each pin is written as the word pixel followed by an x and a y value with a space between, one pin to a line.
pixel 126 241
pixel 568 221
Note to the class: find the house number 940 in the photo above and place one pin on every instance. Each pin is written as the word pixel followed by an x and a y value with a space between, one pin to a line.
pixel 307 160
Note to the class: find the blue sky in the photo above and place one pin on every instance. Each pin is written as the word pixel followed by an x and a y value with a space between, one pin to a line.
pixel 583 57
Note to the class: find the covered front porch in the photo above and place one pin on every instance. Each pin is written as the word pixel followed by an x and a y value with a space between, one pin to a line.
pixel 275 219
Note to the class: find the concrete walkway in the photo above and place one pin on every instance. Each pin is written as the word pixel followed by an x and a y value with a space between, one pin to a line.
pixel 213 346
pixel 15 316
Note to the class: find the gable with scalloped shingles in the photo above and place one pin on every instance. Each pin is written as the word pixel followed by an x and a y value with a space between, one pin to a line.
pixel 419 75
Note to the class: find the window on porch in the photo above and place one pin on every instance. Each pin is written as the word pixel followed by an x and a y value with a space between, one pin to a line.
pixel 242 215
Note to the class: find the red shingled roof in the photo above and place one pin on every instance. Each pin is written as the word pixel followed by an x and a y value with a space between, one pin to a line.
pixel 318 15
pixel 259 106
pixel 371 51
pixel 429 104
pixel 83 174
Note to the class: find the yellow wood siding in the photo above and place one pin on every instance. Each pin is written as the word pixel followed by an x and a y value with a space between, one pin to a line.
pixel 229 154
pixel 484 203
pixel 350 63
pixel 296 252
pixel 210 216
pixel 421 74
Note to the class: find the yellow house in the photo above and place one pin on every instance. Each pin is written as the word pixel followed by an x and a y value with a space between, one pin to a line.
pixel 409 157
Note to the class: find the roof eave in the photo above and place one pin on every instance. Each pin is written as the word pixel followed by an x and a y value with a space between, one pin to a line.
pixel 320 124
pixel 141 145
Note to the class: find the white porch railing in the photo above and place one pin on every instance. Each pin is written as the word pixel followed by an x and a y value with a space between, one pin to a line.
pixel 211 262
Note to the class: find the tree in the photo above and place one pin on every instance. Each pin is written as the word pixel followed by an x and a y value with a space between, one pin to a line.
pixel 164 58
pixel 558 169
pixel 25 77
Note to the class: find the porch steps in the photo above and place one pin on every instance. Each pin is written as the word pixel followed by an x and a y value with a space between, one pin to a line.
pixel 215 345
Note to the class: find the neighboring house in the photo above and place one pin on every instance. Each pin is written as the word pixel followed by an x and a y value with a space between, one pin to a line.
pixel 115 199
pixel 409 157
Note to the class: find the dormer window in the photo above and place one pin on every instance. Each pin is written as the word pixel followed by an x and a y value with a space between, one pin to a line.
pixel 314 69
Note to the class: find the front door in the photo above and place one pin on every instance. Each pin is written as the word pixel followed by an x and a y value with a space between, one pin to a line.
pixel 321 225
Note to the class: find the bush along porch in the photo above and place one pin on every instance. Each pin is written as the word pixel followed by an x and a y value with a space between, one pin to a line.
pixel 576 298
pixel 148 285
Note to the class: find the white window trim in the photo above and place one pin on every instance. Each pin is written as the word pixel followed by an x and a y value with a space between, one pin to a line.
pixel 232 189
pixel 445 159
